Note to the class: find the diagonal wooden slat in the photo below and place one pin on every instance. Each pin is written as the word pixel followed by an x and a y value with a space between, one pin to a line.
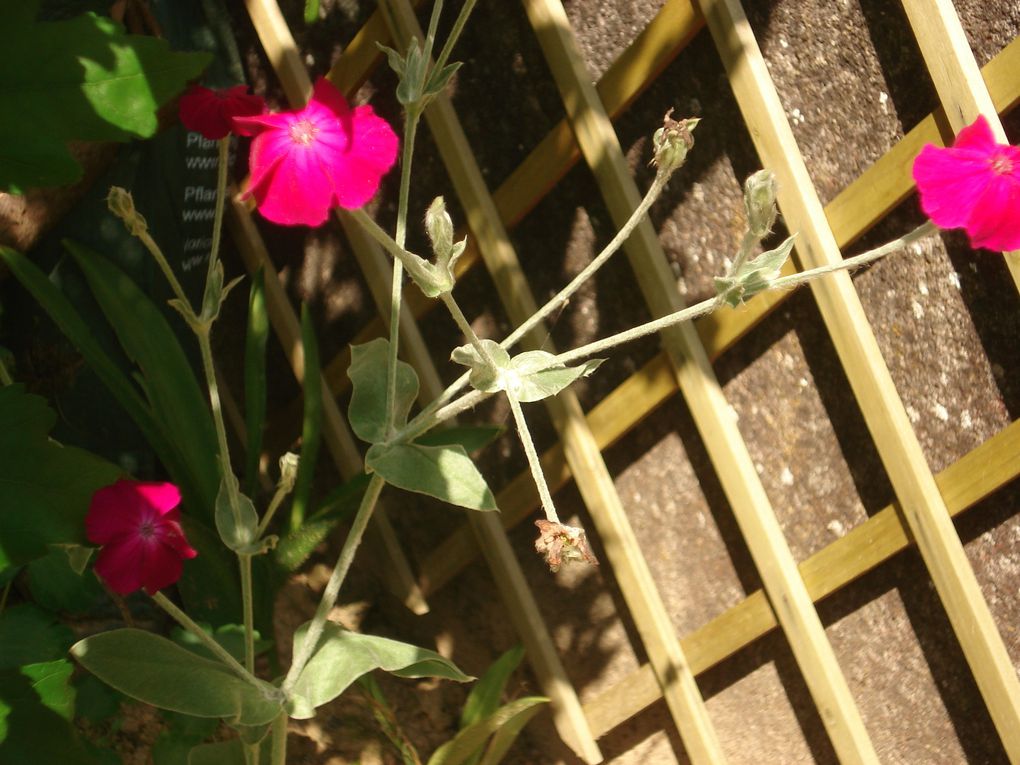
pixel 951 64
pixel 869 378
pixel 581 451
pixel 705 400
pixel 976 475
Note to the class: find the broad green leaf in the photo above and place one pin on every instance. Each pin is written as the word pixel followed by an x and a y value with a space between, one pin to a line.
pixel 176 398
pixel 230 636
pixel 81 78
pixel 342 657
pixel 45 488
pixel 468 741
pixel 255 380
pixel 311 427
pixel 485 696
pixel 443 472
pixel 220 753
pixel 57 587
pixel 157 671
pixel 507 733
pixel 471 437
pixel 237 532
pixel 367 411
pixel 482 376
pixel 533 383
pixel 95 701
pixel 36 704
pixel 29 635
pixel 124 390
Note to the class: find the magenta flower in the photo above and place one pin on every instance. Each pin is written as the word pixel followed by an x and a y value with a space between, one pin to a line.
pixel 974 185
pixel 304 162
pixel 139 527
pixel 212 112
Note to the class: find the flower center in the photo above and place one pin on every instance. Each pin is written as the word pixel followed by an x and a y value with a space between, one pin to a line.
pixel 147 530
pixel 303 132
pixel 1002 164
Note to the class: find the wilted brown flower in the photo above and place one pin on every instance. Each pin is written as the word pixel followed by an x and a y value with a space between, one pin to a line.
pixel 561 544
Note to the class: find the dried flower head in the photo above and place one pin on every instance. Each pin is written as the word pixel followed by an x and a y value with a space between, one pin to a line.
pixel 672 142
pixel 560 544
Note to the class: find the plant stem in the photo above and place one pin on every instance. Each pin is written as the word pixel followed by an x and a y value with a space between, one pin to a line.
pixel 458 27
pixel 278 752
pixel 274 504
pixel 5 595
pixel 411 118
pixel 164 266
pixel 226 471
pixel 221 193
pixel 430 36
pixel 247 602
pixel 653 193
pixel 219 651
pixel 329 595
pixel 5 376
pixel 533 461
pixel 746 245
pixel 709 305
pixel 465 326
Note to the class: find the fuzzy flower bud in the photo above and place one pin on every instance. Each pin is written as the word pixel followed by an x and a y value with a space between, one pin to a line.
pixel 760 202
pixel 439 227
pixel 288 471
pixel 122 204
pixel 672 142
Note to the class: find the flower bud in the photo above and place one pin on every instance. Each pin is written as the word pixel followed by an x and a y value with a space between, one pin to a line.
pixel 288 471
pixel 122 204
pixel 760 202
pixel 672 142
pixel 439 228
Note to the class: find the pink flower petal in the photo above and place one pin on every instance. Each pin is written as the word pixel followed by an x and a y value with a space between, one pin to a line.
pixel 995 218
pixel 212 112
pixel 304 162
pixel 162 496
pixel 138 525
pixel 977 136
pixel 948 181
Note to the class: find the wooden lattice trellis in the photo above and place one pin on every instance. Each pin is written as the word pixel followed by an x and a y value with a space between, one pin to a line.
pixel 924 502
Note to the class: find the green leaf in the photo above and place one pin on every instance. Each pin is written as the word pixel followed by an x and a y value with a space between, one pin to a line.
pixel 81 78
pixel 342 657
pixel 471 437
pixel 176 398
pixel 443 472
pixel 311 427
pixel 535 385
pixel 220 753
pixel 157 671
pixel 394 59
pixel 484 698
pixel 754 276
pixel 507 733
pixel 440 78
pixel 482 377
pixel 94 700
pixel 29 635
pixel 45 488
pixel 183 733
pixel 468 741
pixel 57 587
pixel 367 411
pixel 255 380
pixel 311 11
pixel 237 532
pixel 230 636
pixel 36 703
pixel 124 390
